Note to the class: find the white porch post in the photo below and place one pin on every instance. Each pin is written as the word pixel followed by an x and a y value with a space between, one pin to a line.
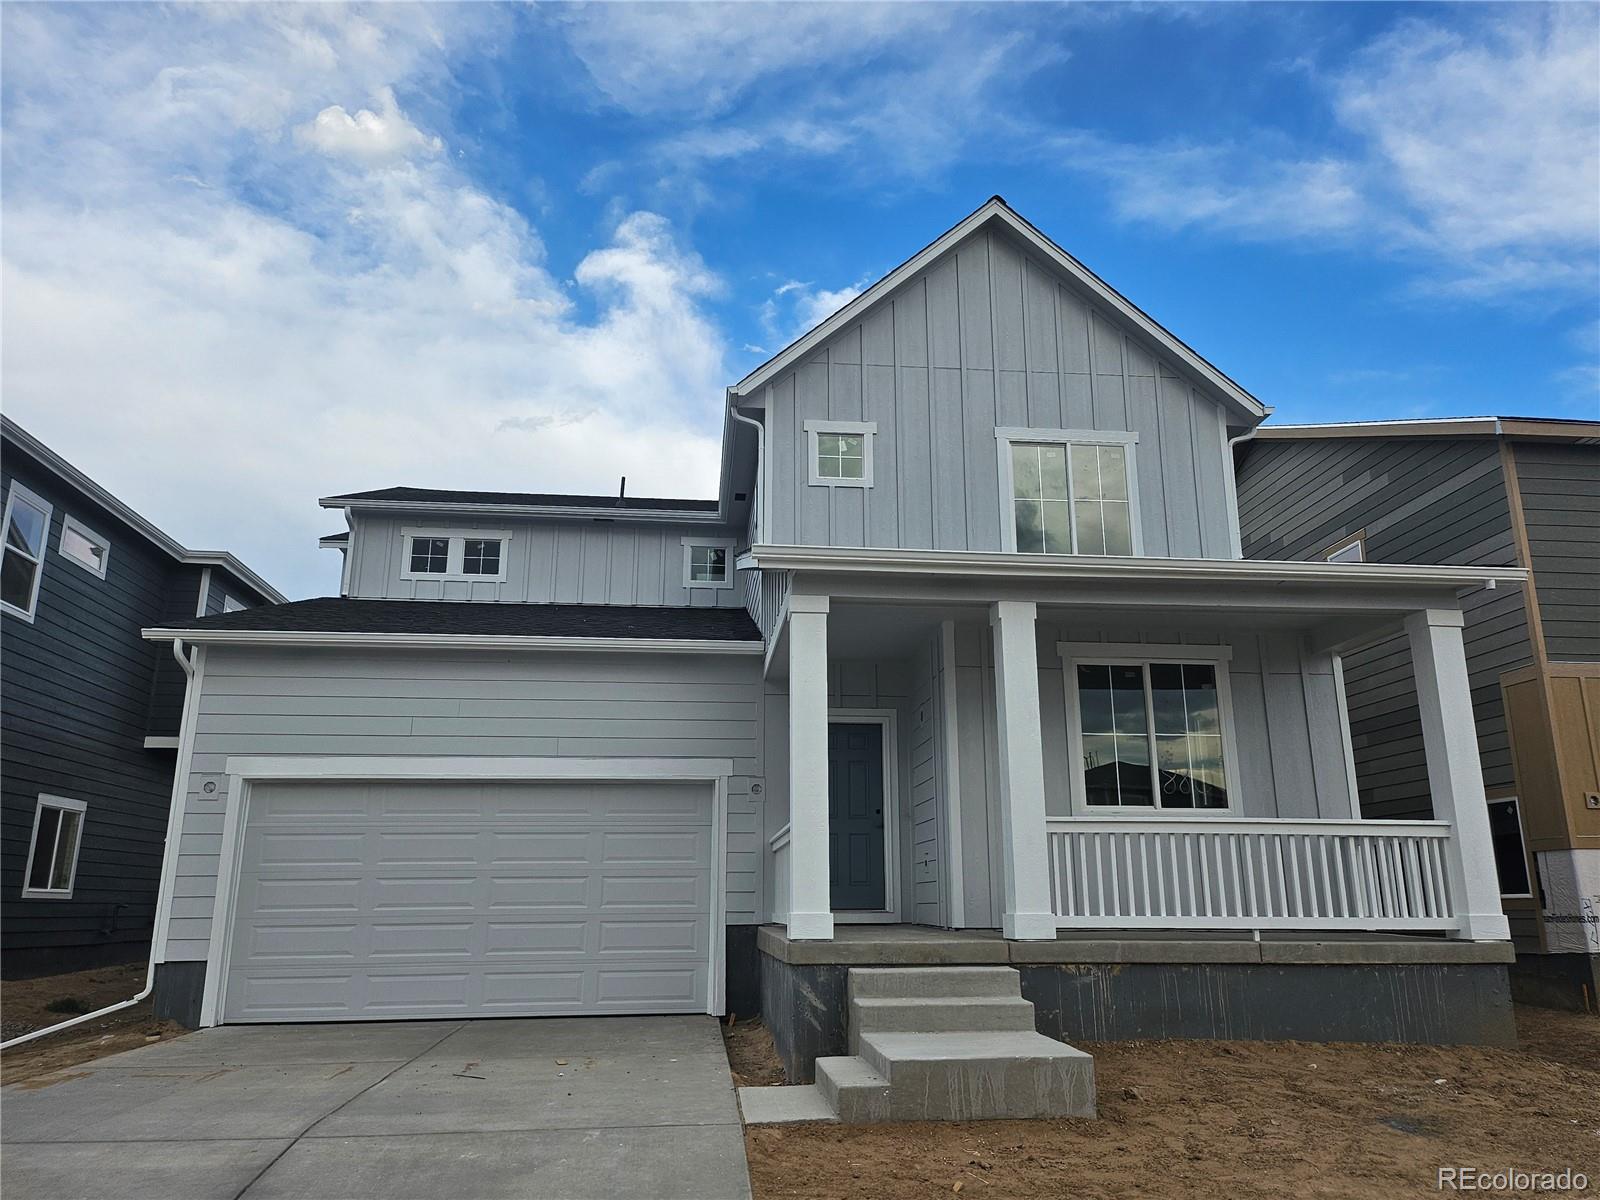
pixel 810 910
pixel 1455 775
pixel 1016 687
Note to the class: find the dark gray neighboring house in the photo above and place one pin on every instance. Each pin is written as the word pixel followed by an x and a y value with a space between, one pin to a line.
pixel 91 709
pixel 1488 491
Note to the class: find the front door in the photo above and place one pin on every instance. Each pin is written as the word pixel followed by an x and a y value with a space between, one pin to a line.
pixel 855 817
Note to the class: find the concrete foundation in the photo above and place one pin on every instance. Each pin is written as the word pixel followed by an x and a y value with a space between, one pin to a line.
pixel 1101 987
pixel 1566 981
pixel 179 987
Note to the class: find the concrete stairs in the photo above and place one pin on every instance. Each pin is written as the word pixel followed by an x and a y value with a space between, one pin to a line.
pixel 950 1044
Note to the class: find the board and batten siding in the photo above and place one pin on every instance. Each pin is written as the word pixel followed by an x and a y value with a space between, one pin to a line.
pixel 284 702
pixel 989 336
pixel 547 562
pixel 1415 500
pixel 1560 490
pixel 1285 722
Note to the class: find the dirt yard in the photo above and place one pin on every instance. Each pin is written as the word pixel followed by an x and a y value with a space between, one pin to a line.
pixel 28 1004
pixel 1227 1121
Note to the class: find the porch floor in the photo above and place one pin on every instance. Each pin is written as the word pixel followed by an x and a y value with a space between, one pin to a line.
pixel 925 945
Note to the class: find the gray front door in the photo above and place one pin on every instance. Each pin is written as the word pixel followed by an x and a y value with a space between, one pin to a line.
pixel 855 817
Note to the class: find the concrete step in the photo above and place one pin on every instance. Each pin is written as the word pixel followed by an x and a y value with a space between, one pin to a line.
pixel 856 1092
pixel 784 1105
pixel 967 1076
pixel 923 982
pixel 939 1014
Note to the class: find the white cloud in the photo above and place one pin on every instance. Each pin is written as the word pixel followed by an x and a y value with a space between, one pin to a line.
pixel 367 137
pixel 220 322
pixel 795 307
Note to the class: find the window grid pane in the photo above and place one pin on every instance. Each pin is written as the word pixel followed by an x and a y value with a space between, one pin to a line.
pixel 26 529
pixel 841 456
pixel 1172 757
pixel 708 564
pixel 430 556
pixel 481 556
pixel 1089 481
pixel 17 574
pixel 44 845
pixel 66 850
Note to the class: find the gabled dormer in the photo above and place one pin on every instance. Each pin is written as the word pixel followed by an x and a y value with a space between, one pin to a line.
pixel 994 394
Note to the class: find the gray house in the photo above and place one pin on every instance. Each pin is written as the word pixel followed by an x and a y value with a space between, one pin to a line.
pixel 1482 491
pixel 963 665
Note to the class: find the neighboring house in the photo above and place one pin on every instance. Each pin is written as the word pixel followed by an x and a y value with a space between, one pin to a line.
pixel 1484 491
pixel 91 709
pixel 965 641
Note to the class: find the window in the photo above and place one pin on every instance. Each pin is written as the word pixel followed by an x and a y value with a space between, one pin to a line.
pixel 480 556
pixel 707 562
pixel 1510 855
pixel 430 556
pixel 27 522
pixel 84 546
pixel 1351 550
pixel 53 853
pixel 1150 734
pixel 841 452
pixel 477 556
pixel 1069 492
pixel 231 604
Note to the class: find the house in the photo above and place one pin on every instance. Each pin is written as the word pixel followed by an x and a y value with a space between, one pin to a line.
pixel 91 709
pixel 1483 491
pixel 962 666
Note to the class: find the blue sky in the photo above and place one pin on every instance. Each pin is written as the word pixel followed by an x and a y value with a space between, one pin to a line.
pixel 262 254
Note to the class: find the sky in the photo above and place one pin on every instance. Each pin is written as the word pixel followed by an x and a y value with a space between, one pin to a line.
pixel 254 255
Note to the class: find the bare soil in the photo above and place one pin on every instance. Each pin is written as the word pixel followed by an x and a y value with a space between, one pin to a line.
pixel 25 1005
pixel 752 1057
pixel 1228 1121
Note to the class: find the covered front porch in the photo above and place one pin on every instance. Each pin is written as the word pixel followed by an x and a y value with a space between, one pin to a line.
pixel 1080 747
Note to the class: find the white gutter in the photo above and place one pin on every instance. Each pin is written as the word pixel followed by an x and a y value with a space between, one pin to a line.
pixel 763 525
pixel 451 641
pixel 1098 569
pixel 585 513
pixel 169 847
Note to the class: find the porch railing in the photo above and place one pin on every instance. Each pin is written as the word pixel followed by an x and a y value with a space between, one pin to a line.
pixel 1236 873
pixel 765 594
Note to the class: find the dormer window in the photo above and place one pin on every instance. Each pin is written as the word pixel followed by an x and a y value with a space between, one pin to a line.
pixel 1070 492
pixel 477 556
pixel 707 562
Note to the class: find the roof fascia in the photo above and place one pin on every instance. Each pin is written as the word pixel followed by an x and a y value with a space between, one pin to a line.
pixel 525 511
pixel 449 641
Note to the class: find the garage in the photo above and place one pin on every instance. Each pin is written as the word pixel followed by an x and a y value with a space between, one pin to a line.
pixel 405 899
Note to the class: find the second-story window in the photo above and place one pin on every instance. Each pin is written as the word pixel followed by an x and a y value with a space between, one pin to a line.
pixel 707 562
pixel 27 522
pixel 1069 494
pixel 841 452
pixel 475 557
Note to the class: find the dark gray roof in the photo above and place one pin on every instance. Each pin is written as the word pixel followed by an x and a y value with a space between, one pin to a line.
pixel 342 536
pixel 411 495
pixel 332 614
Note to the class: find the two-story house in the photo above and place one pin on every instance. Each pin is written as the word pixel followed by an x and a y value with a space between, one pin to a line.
pixel 91 709
pixel 963 665
pixel 1486 491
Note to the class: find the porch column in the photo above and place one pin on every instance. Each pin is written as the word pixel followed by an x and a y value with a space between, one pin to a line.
pixel 1016 688
pixel 1455 775
pixel 810 909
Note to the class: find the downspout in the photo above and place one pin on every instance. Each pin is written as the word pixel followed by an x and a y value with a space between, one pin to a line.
pixel 762 526
pixel 180 790
pixel 1234 532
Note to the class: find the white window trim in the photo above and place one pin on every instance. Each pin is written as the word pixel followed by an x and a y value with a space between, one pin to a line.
pixel 1522 837
pixel 1142 654
pixel 1358 541
pixel 458 539
pixel 38 502
pixel 66 805
pixel 689 543
pixel 869 435
pixel 72 524
pixel 1005 435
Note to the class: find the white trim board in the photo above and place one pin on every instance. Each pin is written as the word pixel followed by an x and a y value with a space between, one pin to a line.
pixel 243 772
pixel 450 641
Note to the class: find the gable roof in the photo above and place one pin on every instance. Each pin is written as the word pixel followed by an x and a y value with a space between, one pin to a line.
pixel 1543 428
pixel 998 211
pixel 75 478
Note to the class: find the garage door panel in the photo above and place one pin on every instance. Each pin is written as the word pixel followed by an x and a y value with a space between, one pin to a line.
pixel 532 898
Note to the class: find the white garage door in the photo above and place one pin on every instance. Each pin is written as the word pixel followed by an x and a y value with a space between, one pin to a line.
pixel 365 901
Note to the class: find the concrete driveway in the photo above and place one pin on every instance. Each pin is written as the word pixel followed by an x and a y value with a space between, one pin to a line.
pixel 613 1107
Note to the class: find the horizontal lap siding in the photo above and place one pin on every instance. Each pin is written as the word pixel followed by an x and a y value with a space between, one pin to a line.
pixel 568 705
pixel 1417 500
pixel 1560 488
pixel 78 697
pixel 550 562
pixel 989 336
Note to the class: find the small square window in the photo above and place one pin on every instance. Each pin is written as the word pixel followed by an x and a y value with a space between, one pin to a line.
pixel 53 853
pixel 84 546
pixel 841 452
pixel 481 556
pixel 707 562
pixel 430 556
